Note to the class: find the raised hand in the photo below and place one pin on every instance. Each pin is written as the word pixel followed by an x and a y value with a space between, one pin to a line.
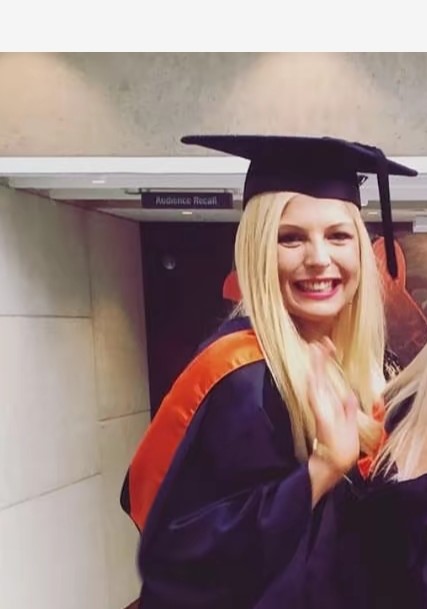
pixel 335 411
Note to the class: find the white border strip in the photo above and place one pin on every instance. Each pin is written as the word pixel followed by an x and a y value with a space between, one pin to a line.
pixel 124 165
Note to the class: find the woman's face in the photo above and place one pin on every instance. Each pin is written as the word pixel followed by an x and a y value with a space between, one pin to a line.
pixel 318 259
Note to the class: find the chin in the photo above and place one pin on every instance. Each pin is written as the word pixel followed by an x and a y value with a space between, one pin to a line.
pixel 314 314
pixel 321 318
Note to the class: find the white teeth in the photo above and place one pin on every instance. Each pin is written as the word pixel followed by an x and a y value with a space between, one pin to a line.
pixel 316 286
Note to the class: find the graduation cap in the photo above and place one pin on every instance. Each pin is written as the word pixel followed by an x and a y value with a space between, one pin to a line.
pixel 322 167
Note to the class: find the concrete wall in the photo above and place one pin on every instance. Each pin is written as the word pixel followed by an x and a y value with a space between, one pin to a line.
pixel 74 402
pixel 142 103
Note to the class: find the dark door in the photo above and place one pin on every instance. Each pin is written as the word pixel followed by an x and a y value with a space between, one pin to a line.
pixel 184 267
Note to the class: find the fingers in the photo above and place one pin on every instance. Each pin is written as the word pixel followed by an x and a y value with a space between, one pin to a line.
pixel 319 355
pixel 316 369
pixel 319 390
pixel 327 402
pixel 321 393
pixel 351 406
pixel 316 359
pixel 328 346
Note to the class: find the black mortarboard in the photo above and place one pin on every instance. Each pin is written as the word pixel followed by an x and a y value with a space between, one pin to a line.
pixel 323 167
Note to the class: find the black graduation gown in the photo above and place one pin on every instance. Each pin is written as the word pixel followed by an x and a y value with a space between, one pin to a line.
pixel 395 525
pixel 233 514
pixel 370 551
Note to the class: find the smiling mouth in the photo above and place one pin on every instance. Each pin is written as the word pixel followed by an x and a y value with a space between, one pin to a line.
pixel 317 285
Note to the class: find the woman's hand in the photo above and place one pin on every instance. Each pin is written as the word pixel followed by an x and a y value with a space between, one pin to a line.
pixel 336 424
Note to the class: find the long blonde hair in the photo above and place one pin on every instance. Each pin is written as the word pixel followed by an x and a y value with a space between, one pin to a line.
pixel 406 446
pixel 358 334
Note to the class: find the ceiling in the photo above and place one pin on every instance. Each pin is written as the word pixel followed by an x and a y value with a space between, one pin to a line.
pixel 112 184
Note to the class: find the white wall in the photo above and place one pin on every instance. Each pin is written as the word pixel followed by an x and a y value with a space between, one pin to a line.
pixel 74 402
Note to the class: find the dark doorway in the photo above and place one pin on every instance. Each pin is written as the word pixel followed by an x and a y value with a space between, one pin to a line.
pixel 184 268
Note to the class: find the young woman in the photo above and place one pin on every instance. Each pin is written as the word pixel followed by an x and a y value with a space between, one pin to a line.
pixel 237 473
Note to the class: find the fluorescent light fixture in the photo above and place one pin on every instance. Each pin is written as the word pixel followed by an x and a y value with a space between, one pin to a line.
pixel 106 165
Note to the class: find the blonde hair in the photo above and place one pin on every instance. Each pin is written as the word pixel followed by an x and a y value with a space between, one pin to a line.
pixel 406 444
pixel 358 334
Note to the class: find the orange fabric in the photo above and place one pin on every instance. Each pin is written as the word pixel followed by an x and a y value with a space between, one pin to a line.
pixel 406 321
pixel 230 288
pixel 157 449
pixel 365 463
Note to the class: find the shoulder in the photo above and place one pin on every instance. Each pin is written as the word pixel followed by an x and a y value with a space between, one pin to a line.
pixel 233 347
pixel 228 326
pixel 229 369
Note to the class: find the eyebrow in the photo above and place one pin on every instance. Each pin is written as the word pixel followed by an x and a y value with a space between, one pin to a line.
pixel 338 225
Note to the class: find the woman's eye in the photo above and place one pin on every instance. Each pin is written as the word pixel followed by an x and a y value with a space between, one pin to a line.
pixel 290 238
pixel 340 236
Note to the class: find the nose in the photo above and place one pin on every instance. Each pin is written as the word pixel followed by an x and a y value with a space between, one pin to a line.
pixel 317 254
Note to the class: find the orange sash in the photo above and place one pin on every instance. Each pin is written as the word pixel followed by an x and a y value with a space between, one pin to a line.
pixel 163 437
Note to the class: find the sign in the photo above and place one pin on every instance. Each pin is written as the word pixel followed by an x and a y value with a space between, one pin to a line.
pixel 187 200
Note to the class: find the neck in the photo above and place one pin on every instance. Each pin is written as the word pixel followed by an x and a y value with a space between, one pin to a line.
pixel 314 331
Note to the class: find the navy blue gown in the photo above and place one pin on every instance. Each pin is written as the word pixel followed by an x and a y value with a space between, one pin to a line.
pixel 368 552
pixel 230 525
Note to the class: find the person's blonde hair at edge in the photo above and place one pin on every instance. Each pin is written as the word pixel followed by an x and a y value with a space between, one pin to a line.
pixel 358 334
pixel 406 446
